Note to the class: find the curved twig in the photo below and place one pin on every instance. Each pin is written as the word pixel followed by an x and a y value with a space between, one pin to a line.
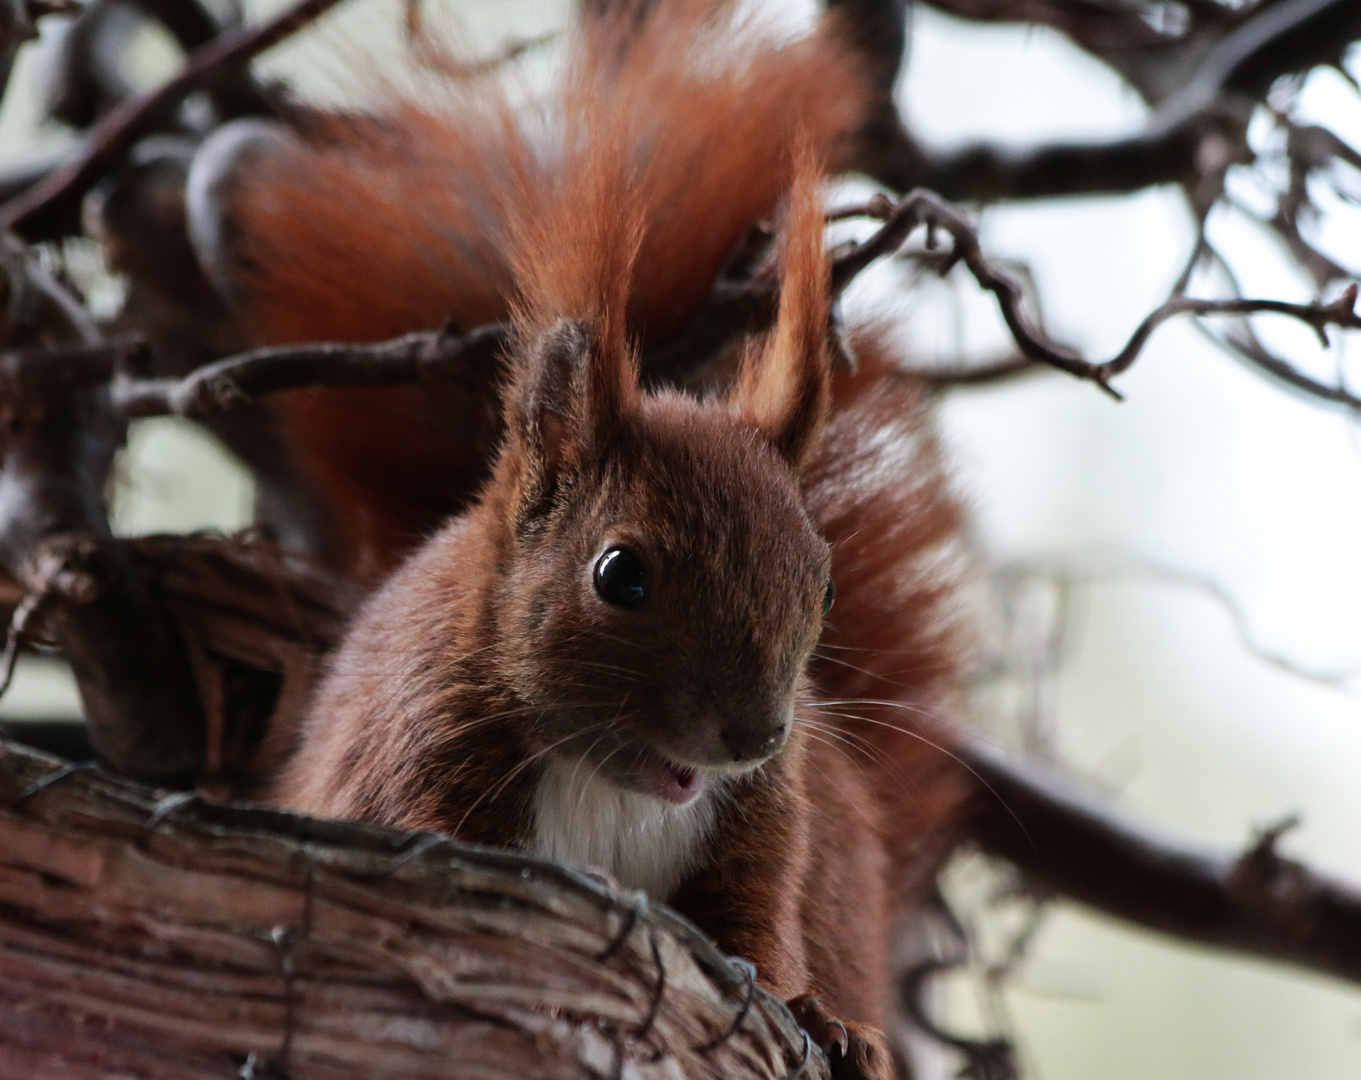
pixel 926 208
pixel 1340 312
pixel 441 356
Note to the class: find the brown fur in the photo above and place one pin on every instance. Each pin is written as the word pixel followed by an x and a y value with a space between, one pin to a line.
pixel 488 652
pixel 370 227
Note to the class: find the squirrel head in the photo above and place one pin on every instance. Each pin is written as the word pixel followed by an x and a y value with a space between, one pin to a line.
pixel 662 587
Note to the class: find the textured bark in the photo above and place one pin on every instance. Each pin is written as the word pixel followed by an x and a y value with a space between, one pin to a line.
pixel 179 939
pixel 254 621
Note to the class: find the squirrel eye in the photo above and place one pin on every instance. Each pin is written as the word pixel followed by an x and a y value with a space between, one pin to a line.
pixel 829 597
pixel 619 577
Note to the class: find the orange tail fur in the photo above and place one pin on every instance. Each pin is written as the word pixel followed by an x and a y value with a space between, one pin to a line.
pixel 897 644
pixel 367 227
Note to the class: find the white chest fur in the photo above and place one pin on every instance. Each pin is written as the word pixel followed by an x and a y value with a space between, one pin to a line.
pixel 644 843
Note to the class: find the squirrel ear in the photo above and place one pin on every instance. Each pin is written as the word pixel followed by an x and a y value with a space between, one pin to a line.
pixel 541 409
pixel 783 388
pixel 573 392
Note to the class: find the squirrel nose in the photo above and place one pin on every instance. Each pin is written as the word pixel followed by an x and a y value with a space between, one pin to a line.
pixel 752 744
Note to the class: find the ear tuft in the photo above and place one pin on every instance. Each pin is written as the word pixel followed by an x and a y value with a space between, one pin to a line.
pixel 573 391
pixel 783 389
pixel 541 409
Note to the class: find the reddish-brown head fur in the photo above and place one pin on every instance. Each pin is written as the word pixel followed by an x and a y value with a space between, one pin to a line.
pixel 702 671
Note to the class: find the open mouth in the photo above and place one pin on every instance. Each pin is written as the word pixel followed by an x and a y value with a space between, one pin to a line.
pixel 668 781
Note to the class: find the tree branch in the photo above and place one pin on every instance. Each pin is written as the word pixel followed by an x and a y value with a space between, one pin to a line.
pixel 733 309
pixel 422 357
pixel 188 939
pixel 1257 903
pixel 1276 39
pixel 56 447
pixel 1341 313
pixel 1249 51
pixel 988 172
pixel 193 26
pixel 113 136
pixel 925 208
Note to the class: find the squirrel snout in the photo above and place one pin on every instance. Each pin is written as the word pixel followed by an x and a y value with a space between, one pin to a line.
pixel 751 743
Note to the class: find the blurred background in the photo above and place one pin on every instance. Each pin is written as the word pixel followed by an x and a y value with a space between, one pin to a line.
pixel 1177 577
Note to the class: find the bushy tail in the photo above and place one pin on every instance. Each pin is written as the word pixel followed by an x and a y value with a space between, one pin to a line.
pixel 897 647
pixel 668 134
pixel 403 218
pixel 695 112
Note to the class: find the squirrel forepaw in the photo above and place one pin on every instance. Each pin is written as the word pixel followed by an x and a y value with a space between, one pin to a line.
pixel 854 1051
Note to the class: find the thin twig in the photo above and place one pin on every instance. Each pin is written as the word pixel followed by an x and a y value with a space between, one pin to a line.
pixel 926 208
pixel 974 374
pixel 1109 570
pixel 1318 315
pixel 425 356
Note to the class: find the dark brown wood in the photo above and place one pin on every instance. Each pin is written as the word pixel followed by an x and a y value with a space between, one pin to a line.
pixel 1254 903
pixel 427 356
pixel 114 135
pixel 57 444
pixel 184 939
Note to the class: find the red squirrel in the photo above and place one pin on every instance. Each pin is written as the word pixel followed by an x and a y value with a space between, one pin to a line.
pixel 696 642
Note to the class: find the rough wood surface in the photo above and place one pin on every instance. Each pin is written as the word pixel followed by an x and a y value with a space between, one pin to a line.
pixel 240 605
pixel 165 937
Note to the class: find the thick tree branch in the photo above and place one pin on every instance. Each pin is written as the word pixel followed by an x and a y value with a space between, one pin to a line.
pixel 989 172
pixel 1249 51
pixel 117 132
pixel 187 939
pixel 1277 39
pixel 193 26
pixel 1257 903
